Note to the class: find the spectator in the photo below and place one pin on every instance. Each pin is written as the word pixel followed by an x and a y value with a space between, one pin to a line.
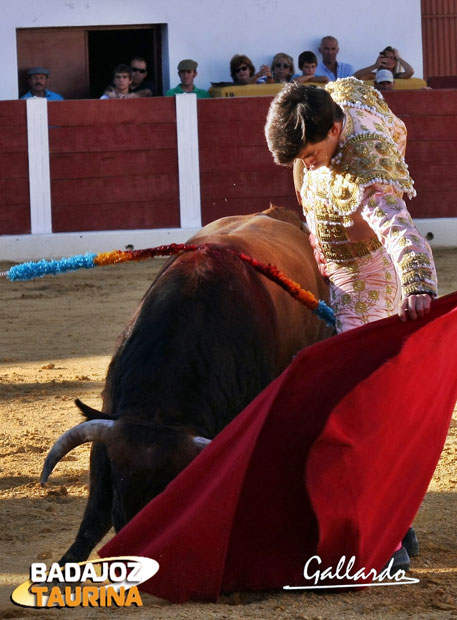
pixel 38 79
pixel 243 71
pixel 384 80
pixel 389 59
pixel 187 71
pixel 282 68
pixel 122 79
pixel 307 62
pixel 329 66
pixel 141 86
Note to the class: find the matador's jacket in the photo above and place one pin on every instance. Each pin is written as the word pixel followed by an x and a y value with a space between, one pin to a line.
pixel 367 173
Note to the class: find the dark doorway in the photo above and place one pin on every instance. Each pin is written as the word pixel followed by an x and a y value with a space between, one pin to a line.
pixel 81 59
pixel 108 48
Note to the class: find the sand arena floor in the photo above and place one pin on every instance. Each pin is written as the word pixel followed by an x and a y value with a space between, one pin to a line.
pixel 57 338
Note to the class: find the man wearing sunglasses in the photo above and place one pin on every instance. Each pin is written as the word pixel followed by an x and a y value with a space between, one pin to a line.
pixel 141 87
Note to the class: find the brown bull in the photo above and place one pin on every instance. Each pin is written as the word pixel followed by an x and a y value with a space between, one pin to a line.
pixel 208 336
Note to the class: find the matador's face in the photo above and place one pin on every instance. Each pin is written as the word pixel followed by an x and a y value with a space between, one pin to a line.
pixel 318 154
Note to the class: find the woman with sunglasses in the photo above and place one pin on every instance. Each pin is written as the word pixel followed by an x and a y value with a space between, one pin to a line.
pixel 282 68
pixel 243 71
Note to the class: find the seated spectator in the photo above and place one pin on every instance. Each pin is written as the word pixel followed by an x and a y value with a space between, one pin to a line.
pixel 141 86
pixel 389 59
pixel 282 68
pixel 187 71
pixel 243 71
pixel 384 79
pixel 329 66
pixel 38 80
pixel 122 79
pixel 307 62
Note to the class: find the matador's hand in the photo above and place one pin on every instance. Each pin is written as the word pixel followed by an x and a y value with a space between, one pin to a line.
pixel 415 306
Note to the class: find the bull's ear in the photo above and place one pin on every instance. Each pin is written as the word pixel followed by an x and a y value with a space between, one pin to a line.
pixel 90 412
pixel 201 442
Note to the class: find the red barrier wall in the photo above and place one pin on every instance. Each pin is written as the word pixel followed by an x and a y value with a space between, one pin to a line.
pixel 113 164
pixel 14 169
pixel 237 172
pixel 431 154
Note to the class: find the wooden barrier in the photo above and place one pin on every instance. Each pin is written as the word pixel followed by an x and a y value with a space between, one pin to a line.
pixel 14 169
pixel 114 164
pixel 237 172
pixel 431 154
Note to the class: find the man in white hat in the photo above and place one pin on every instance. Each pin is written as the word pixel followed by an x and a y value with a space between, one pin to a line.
pixel 384 79
pixel 187 71
pixel 38 79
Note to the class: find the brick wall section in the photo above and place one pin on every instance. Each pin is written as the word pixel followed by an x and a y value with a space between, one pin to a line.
pixel 14 169
pixel 113 164
pixel 431 154
pixel 237 172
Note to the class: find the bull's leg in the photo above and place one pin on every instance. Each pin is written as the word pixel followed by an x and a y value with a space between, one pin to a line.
pixel 97 517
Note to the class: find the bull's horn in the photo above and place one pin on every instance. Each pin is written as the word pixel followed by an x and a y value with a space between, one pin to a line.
pixel 92 430
pixel 201 442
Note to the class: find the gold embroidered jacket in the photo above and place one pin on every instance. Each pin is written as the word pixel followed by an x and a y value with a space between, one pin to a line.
pixel 368 173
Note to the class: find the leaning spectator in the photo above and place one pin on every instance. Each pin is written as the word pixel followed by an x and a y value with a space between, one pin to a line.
pixel 243 71
pixel 141 86
pixel 187 71
pixel 329 66
pixel 282 67
pixel 389 59
pixel 122 79
pixel 384 80
pixel 307 62
pixel 38 80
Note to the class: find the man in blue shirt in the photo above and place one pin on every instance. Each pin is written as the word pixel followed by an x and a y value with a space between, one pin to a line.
pixel 38 79
pixel 329 66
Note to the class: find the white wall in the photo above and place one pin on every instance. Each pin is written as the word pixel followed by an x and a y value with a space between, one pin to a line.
pixel 211 31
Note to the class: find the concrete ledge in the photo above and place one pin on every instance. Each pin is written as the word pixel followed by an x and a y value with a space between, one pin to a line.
pixel 34 247
pixel 440 232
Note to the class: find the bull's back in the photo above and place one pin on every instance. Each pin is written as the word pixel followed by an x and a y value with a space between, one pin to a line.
pixel 209 313
pixel 284 244
pixel 202 345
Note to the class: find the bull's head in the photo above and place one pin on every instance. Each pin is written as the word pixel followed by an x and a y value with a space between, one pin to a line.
pixel 140 470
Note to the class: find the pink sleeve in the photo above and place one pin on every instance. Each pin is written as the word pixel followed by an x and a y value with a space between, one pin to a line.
pixel 386 213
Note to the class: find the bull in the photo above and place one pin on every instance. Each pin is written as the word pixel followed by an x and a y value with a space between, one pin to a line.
pixel 208 336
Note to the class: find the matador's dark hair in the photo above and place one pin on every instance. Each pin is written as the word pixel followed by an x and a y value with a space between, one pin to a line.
pixel 299 114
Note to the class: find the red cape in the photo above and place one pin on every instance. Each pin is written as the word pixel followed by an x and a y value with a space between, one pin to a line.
pixel 333 458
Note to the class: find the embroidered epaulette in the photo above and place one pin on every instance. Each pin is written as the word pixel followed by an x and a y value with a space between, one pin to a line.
pixel 351 92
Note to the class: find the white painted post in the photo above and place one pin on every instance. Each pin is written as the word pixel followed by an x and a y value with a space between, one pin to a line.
pixel 39 176
pixel 188 162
